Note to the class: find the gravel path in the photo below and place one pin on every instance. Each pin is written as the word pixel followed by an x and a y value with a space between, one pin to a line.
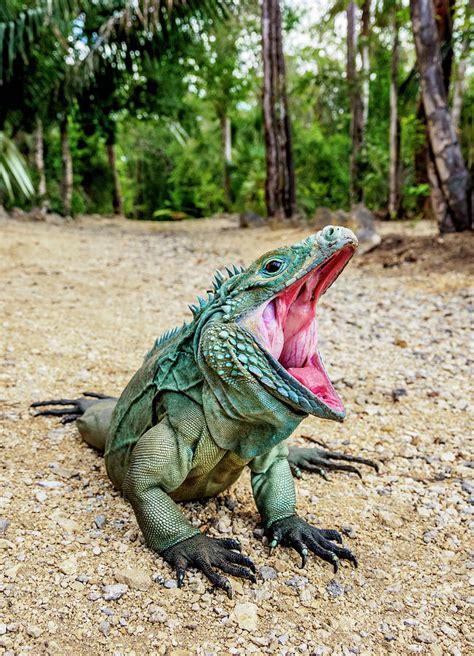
pixel 81 304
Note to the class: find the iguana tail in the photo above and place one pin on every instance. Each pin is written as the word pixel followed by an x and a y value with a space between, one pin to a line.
pixel 92 413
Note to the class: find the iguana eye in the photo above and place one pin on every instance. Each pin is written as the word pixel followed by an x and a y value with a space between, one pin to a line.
pixel 273 266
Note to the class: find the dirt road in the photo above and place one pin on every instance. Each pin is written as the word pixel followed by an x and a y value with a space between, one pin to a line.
pixel 80 306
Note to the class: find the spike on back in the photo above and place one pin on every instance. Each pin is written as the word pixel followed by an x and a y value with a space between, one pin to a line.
pixel 219 277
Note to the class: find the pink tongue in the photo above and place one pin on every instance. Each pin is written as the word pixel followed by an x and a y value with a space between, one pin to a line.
pixel 313 379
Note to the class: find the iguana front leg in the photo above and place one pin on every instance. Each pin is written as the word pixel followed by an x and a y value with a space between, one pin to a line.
pixel 321 461
pixel 274 493
pixel 160 462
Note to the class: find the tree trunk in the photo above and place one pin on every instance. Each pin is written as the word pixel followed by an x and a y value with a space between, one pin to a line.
pixel 421 157
pixel 365 33
pixel 394 174
pixel 424 168
pixel 447 158
pixel 444 14
pixel 226 138
pixel 280 181
pixel 116 191
pixel 357 120
pixel 38 146
pixel 459 87
pixel 67 181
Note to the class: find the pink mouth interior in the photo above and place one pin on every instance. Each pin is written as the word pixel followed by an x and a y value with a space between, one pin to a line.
pixel 287 327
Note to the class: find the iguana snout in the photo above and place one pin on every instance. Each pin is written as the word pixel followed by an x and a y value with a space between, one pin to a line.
pixel 271 320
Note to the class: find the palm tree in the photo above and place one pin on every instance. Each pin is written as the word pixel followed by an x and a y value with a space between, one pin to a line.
pixel 146 26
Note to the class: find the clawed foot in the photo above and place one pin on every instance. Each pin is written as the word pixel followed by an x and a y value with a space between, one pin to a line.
pixel 69 409
pixel 205 554
pixel 320 461
pixel 296 533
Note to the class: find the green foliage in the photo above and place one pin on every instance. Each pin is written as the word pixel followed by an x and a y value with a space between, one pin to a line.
pixel 160 86
pixel 14 176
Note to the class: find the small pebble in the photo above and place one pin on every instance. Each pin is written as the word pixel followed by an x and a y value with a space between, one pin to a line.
pixel 349 531
pixel 114 592
pixel 397 393
pixel 268 573
pixel 34 631
pixel 4 524
pixel 104 627
pixel 334 588
pixel 297 581
pixel 245 615
pixel 100 521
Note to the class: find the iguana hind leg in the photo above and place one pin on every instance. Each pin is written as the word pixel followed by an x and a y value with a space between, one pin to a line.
pixel 77 407
pixel 320 461
pixel 92 411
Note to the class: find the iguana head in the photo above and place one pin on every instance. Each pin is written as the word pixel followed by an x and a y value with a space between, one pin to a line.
pixel 263 322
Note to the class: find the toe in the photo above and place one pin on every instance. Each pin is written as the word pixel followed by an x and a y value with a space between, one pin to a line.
pixel 240 559
pixel 229 543
pixel 332 535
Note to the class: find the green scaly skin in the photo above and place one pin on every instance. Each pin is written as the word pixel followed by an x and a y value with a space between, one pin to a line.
pixel 207 402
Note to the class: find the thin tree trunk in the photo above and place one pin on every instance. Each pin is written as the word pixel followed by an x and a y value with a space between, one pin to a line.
pixel 439 206
pixel 421 159
pixel 226 138
pixel 444 14
pixel 38 141
pixel 424 170
pixel 357 125
pixel 67 181
pixel 280 181
pixel 447 157
pixel 116 191
pixel 364 33
pixel 459 88
pixel 394 173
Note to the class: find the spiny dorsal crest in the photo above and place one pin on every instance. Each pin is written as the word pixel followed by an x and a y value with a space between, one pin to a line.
pixel 168 334
pixel 217 282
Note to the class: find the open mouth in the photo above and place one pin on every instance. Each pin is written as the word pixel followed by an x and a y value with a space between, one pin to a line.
pixel 286 326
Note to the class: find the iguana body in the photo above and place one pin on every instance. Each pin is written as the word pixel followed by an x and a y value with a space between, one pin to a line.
pixel 221 394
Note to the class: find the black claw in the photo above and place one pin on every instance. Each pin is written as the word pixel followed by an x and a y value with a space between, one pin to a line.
pixel 318 460
pixel 240 559
pixel 272 546
pixel 180 572
pixel 40 404
pixel 205 554
pixel 333 455
pixel 304 559
pixel 67 419
pixel 296 533
pixel 96 395
pixel 58 413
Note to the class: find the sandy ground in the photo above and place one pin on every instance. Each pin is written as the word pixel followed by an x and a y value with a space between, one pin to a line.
pixel 82 303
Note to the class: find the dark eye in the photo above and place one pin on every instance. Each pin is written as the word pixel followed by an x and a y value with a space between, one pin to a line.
pixel 272 266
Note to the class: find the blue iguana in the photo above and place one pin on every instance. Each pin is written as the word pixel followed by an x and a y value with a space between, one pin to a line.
pixel 222 393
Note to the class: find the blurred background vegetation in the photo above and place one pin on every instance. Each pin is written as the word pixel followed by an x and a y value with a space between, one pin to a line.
pixel 158 106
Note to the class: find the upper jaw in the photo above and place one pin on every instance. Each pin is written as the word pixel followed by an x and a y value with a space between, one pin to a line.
pixel 285 327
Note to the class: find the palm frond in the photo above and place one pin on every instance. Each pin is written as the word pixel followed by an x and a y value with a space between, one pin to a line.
pixel 13 171
pixel 18 32
pixel 156 22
